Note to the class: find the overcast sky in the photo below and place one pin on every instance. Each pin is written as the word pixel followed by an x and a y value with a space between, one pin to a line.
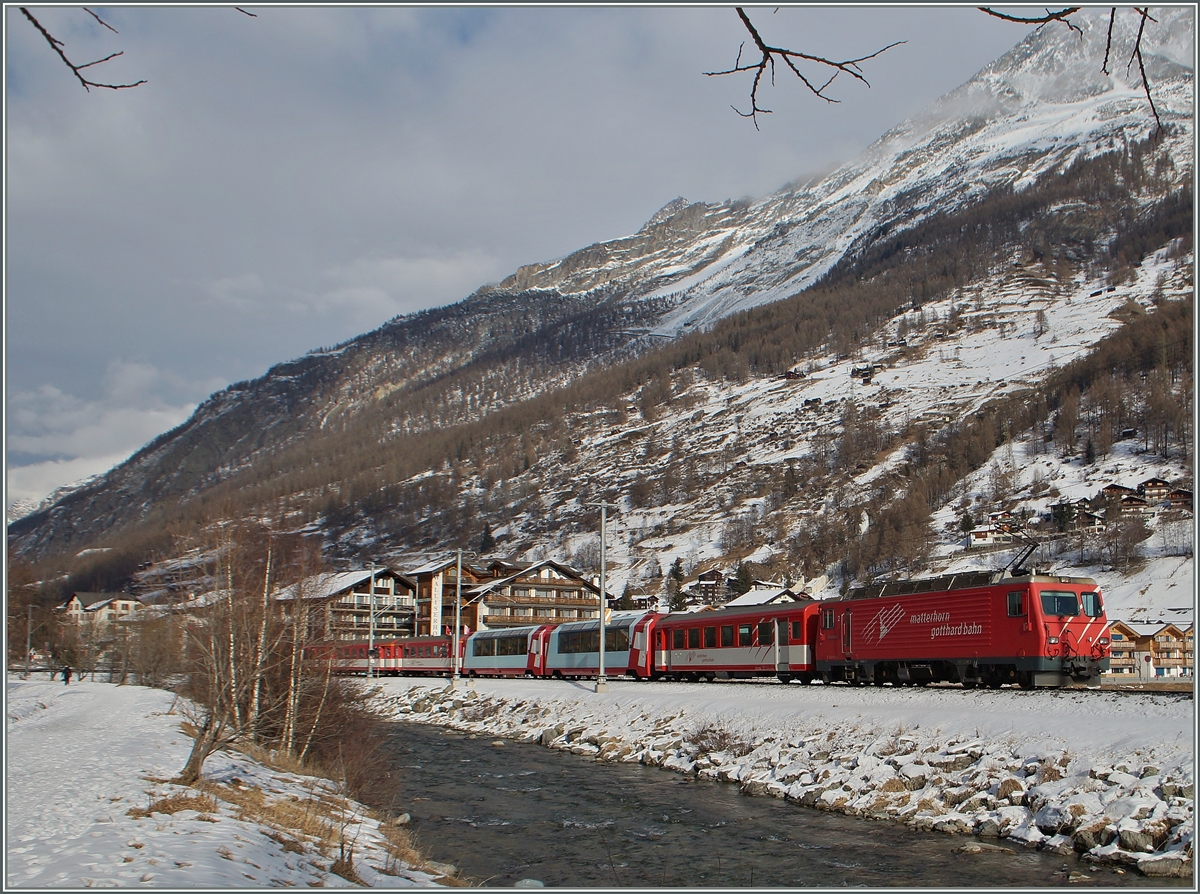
pixel 289 181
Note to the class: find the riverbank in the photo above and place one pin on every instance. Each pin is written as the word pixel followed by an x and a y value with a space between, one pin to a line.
pixel 1106 776
pixel 89 804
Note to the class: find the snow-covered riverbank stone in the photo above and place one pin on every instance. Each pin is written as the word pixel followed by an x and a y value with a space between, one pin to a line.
pixel 1125 805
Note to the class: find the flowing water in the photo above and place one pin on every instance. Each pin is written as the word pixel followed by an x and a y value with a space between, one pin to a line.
pixel 521 811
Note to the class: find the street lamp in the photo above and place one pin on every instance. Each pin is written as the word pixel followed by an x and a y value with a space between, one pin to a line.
pixel 454 660
pixel 371 623
pixel 601 680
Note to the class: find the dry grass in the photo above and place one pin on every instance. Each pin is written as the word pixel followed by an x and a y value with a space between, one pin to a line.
pixel 894 784
pixel 712 738
pixel 173 804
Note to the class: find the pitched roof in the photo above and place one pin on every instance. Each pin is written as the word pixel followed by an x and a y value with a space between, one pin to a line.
pixel 761 597
pixel 93 601
pixel 485 586
pixel 327 584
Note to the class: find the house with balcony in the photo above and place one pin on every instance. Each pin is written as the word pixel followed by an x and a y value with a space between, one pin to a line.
pixel 339 605
pixel 1151 650
pixel 545 592
pixel 438 586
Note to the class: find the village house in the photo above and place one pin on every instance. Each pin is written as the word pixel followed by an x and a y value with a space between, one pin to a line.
pixel 437 585
pixel 1151 650
pixel 986 535
pixel 545 592
pixel 98 610
pixel 1153 490
pixel 708 588
pixel 1180 499
pixel 340 604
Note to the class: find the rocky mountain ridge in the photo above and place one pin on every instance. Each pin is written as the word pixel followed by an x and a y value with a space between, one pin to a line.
pixel 691 265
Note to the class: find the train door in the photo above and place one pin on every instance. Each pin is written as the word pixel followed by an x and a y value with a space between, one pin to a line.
pixel 782 652
pixel 534 651
pixel 846 636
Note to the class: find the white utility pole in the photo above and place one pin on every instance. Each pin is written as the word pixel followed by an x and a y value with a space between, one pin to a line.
pixel 601 680
pixel 455 661
pixel 371 622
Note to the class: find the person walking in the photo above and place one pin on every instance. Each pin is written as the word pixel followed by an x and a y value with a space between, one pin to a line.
pixel 66 675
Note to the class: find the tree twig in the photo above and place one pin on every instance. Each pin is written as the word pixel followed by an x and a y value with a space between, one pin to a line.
pixel 57 45
pixel 1063 15
pixel 769 55
pixel 1144 12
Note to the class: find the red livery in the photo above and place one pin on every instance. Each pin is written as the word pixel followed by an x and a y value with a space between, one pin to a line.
pixel 976 628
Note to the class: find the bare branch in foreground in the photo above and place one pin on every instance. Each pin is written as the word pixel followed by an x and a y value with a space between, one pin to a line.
pixel 57 46
pixel 1063 15
pixel 769 55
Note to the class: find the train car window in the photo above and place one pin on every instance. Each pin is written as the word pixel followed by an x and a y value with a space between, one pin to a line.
pixel 511 645
pixel 1060 603
pixel 693 637
pixel 677 639
pixel 727 635
pixel 745 637
pixel 710 637
pixel 616 639
pixel 1016 603
pixel 797 631
pixel 827 619
pixel 766 633
pixel 485 647
pixel 1092 606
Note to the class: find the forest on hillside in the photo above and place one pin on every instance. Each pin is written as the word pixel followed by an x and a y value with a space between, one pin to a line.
pixel 432 464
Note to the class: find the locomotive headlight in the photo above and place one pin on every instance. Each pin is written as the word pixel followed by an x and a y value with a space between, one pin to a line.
pixel 1103 641
pixel 1052 640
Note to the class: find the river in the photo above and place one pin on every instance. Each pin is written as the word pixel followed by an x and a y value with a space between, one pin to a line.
pixel 502 813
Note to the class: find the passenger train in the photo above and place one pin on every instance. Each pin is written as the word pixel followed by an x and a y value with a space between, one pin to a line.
pixel 977 628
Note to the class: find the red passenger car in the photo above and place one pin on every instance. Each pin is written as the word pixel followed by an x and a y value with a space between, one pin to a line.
pixel 733 643
pixel 975 628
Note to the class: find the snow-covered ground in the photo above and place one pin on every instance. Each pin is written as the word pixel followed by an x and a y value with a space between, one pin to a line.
pixel 80 758
pixel 1107 775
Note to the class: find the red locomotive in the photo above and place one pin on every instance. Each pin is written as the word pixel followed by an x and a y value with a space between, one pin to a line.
pixel 975 628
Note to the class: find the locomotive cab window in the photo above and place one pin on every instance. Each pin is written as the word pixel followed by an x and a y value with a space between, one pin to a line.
pixel 1060 603
pixel 827 620
pixel 1016 604
pixel 1092 606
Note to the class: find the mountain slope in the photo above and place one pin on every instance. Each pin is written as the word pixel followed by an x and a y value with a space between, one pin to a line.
pixel 329 429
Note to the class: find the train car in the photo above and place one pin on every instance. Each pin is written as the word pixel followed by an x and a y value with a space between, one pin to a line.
pixel 574 647
pixel 418 656
pixel 738 643
pixel 978 628
pixel 507 652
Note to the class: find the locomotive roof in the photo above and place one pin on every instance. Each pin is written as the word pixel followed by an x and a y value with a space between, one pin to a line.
pixel 965 580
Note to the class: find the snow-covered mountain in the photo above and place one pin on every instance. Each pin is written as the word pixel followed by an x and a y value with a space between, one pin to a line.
pixel 312 432
pixel 1036 109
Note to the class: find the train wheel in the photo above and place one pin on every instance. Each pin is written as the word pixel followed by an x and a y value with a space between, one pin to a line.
pixel 1025 680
